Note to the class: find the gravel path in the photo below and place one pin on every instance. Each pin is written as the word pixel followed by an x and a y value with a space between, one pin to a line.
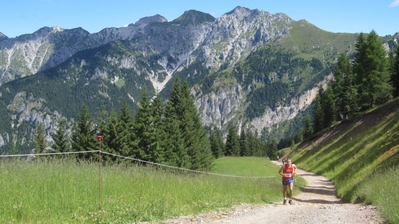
pixel 317 204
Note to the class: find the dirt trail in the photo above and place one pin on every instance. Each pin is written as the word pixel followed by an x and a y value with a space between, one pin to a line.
pixel 317 204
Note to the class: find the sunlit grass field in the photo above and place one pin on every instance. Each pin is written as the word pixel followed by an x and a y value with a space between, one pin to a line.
pixel 63 191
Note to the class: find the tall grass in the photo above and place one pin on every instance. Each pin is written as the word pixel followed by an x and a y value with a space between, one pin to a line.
pixel 63 191
pixel 382 189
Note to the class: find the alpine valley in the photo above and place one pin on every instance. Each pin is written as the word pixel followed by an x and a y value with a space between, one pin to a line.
pixel 248 68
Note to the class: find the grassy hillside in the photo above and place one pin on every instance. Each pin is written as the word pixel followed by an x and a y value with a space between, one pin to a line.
pixel 360 157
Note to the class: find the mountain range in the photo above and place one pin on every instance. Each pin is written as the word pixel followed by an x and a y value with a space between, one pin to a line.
pixel 247 68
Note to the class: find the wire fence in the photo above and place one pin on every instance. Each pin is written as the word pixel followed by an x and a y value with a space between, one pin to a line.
pixel 33 155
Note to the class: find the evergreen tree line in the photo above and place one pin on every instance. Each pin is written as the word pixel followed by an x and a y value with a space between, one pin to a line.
pixel 247 143
pixel 170 133
pixel 368 79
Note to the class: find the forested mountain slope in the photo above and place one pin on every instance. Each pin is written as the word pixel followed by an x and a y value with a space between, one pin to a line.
pixel 248 68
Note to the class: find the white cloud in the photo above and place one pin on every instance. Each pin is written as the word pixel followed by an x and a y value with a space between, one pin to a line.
pixel 394 4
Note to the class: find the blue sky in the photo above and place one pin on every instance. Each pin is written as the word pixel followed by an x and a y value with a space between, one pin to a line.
pixel 19 17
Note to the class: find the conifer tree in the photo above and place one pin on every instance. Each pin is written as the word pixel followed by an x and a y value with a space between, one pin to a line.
pixel 84 136
pixel 371 68
pixel 360 58
pixel 126 139
pixel 252 148
pixel 258 148
pixel 395 72
pixel 60 137
pixel 157 109
pixel 217 144
pixel 145 132
pixel 175 98
pixel 318 114
pixel 102 128
pixel 329 109
pixel 142 129
pixel 308 129
pixel 273 150
pixel 253 141
pixel 40 139
pixel 232 147
pixel 243 143
pixel 111 137
pixel 176 151
pixel 344 88
pixel 196 140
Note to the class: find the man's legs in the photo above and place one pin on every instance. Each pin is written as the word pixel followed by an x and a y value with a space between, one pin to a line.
pixel 291 189
pixel 291 192
pixel 285 193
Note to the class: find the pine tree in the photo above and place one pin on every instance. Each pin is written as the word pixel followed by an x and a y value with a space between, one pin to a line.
pixel 111 137
pixel 344 88
pixel 371 67
pixel 308 129
pixel 380 75
pixel 253 143
pixel 158 155
pixel 350 104
pixel 40 139
pixel 243 143
pixel 84 136
pixel 232 147
pixel 329 109
pixel 60 137
pixel 217 144
pixel 196 140
pixel 395 72
pixel 318 112
pixel 176 153
pixel 257 145
pixel 273 150
pixel 102 128
pixel 144 130
pixel 126 138
pixel 360 58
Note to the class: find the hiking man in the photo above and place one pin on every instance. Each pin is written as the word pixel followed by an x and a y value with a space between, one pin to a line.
pixel 287 171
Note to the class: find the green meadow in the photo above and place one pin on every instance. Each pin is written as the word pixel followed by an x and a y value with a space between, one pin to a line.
pixel 63 191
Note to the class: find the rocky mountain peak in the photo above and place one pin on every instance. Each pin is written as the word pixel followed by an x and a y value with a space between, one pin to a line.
pixel 149 19
pixel 242 12
pixel 194 17
pixel 50 33
pixel 2 36
pixel 239 10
